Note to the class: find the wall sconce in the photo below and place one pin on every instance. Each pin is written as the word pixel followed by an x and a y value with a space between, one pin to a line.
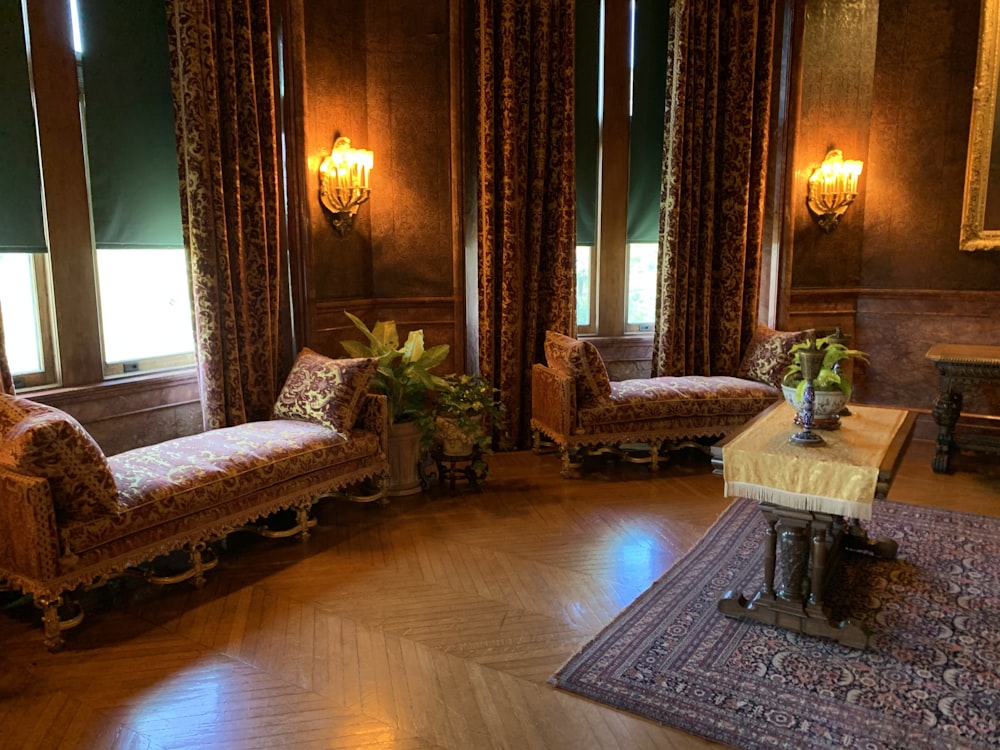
pixel 833 186
pixel 343 182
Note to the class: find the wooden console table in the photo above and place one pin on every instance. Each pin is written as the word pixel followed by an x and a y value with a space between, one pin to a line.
pixel 813 500
pixel 961 367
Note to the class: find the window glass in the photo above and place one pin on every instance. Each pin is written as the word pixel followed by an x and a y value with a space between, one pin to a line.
pixel 21 324
pixel 145 304
pixel 584 280
pixel 641 310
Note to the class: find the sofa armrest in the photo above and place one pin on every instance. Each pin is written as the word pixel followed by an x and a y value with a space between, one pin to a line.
pixel 553 403
pixel 29 539
pixel 374 417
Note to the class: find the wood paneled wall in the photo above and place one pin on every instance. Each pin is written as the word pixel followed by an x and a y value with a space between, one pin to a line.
pixel 383 74
pixel 892 274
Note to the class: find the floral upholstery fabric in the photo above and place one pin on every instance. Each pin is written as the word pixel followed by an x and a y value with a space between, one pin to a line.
pixel 43 441
pixel 645 401
pixel 768 354
pixel 326 391
pixel 164 483
pixel 581 361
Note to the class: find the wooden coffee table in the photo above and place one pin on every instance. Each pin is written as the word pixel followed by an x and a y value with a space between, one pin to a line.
pixel 813 500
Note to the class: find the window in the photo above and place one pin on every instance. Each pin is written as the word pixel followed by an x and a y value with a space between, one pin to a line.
pixel 94 271
pixel 620 93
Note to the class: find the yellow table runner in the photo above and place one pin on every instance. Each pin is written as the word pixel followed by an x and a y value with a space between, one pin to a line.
pixel 838 477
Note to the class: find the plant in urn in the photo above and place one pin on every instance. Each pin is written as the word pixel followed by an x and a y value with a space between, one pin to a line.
pixel 811 360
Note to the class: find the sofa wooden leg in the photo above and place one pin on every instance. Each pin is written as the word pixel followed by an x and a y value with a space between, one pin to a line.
pixel 567 465
pixel 572 460
pixel 654 457
pixel 199 564
pixel 303 521
pixel 52 625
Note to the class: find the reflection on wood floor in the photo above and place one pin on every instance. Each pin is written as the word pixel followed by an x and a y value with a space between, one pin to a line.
pixel 431 623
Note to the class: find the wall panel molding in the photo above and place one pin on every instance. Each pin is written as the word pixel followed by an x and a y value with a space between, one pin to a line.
pixel 434 315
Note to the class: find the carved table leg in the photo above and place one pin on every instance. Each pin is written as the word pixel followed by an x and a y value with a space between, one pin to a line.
pixel 798 547
pixel 794 555
pixel 770 555
pixel 818 573
pixel 947 409
pixel 857 538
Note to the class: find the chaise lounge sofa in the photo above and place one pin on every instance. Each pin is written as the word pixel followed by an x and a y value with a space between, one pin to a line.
pixel 577 408
pixel 71 516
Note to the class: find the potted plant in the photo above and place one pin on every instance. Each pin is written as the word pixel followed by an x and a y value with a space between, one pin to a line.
pixel 832 385
pixel 464 412
pixel 404 376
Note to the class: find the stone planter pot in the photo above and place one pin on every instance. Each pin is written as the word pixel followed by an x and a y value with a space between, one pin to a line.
pixel 404 459
pixel 826 404
pixel 453 440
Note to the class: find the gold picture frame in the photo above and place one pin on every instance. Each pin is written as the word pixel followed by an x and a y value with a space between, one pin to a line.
pixel 980 211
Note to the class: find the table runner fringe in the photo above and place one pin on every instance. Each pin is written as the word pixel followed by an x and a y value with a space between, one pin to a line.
pixel 817 503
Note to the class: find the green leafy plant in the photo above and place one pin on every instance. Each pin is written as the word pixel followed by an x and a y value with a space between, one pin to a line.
pixel 403 373
pixel 831 376
pixel 466 408
pixel 472 403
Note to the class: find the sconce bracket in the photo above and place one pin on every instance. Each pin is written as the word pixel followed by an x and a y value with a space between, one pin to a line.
pixel 342 221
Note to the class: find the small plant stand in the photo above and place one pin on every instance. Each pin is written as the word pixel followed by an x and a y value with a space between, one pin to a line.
pixel 451 468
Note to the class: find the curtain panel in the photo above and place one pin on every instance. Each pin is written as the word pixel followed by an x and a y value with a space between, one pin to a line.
pixel 526 192
pixel 719 76
pixel 6 379
pixel 224 105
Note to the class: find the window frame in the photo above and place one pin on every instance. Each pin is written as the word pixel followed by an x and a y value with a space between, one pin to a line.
pixel 609 281
pixel 69 297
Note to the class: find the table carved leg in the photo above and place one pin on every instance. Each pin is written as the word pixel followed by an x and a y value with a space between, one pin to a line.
pixel 801 552
pixel 947 409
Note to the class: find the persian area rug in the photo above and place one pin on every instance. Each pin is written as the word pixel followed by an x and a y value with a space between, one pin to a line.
pixel 929 678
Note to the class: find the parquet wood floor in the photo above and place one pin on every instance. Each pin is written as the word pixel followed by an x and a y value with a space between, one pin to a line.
pixel 431 623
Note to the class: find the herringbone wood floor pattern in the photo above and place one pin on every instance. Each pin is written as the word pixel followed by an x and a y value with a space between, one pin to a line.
pixel 431 623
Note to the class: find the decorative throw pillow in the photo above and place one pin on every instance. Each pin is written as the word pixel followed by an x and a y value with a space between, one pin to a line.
pixel 558 349
pixel 593 386
pixel 325 391
pixel 43 441
pixel 768 356
pixel 581 361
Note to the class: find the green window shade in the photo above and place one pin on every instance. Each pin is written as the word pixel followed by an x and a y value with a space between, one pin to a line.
pixel 21 224
pixel 649 84
pixel 587 65
pixel 131 149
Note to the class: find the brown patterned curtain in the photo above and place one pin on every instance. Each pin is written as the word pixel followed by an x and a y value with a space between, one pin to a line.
pixel 6 379
pixel 718 99
pixel 224 103
pixel 526 192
